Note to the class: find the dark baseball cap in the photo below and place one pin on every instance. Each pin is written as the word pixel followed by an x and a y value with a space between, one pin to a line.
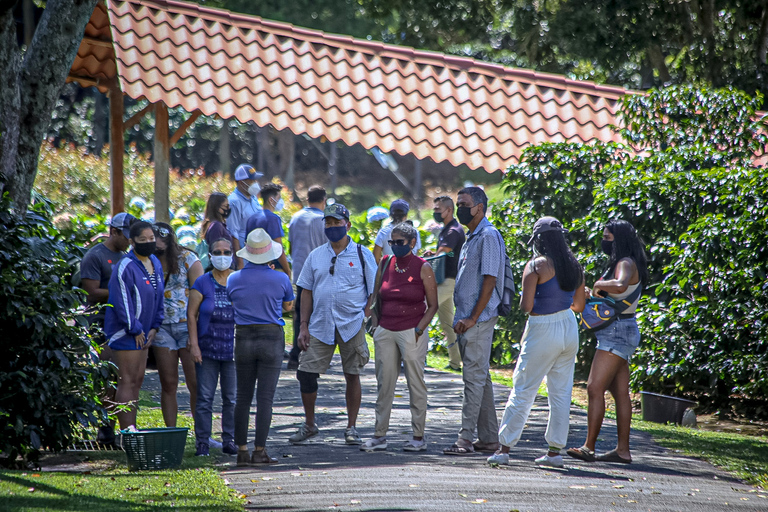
pixel 123 221
pixel 545 224
pixel 399 204
pixel 337 211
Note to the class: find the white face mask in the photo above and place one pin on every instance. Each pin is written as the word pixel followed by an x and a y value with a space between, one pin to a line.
pixel 279 205
pixel 221 262
pixel 254 189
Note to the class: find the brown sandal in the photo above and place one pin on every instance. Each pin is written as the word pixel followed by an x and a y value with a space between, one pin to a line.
pixel 261 457
pixel 582 453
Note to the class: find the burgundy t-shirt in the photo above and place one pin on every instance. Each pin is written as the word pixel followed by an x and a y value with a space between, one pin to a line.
pixel 403 300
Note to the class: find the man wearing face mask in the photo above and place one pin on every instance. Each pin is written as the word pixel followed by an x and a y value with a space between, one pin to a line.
pixel 479 287
pixel 243 202
pixel 336 280
pixel 270 222
pixel 450 242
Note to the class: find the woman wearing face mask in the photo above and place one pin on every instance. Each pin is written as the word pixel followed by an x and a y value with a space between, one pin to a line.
pixel 211 321
pixel 134 318
pixel 553 288
pixel 270 222
pixel 214 225
pixel 182 268
pixel 625 277
pixel 408 294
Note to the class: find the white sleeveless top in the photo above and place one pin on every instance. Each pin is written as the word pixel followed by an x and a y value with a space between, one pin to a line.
pixel 630 289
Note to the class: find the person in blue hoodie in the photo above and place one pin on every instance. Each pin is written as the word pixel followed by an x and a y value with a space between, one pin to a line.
pixel 135 314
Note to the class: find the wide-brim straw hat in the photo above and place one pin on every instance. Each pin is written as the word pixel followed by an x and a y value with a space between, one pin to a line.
pixel 259 248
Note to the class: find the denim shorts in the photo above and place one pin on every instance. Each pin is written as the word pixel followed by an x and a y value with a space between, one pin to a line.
pixel 620 338
pixel 172 336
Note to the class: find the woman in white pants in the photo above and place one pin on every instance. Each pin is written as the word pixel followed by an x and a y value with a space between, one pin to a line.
pixel 553 287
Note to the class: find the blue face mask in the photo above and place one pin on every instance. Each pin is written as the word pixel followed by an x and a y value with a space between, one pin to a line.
pixel 336 233
pixel 401 250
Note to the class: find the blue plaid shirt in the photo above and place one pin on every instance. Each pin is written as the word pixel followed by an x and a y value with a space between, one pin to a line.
pixel 338 300
pixel 481 255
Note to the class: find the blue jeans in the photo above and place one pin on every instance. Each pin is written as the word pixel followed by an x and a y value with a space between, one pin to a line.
pixel 207 379
pixel 259 358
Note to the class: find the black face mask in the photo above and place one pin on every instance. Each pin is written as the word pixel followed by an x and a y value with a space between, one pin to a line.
pixel 438 217
pixel 144 249
pixel 226 212
pixel 463 213
pixel 607 246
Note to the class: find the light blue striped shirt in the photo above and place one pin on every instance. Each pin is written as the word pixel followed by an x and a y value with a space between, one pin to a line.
pixel 338 300
pixel 481 255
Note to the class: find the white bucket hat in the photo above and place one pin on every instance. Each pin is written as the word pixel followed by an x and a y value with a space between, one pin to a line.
pixel 259 248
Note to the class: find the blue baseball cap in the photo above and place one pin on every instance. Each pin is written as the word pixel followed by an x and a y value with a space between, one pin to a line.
pixel 337 211
pixel 246 172
pixel 123 221
pixel 399 204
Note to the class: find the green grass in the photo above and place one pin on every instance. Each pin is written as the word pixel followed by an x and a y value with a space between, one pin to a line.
pixel 196 485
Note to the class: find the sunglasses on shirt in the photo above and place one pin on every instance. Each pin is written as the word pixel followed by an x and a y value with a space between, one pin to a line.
pixel 161 231
pixel 333 265
pixel 400 241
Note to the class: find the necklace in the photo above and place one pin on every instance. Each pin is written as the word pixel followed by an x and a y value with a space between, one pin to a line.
pixel 400 270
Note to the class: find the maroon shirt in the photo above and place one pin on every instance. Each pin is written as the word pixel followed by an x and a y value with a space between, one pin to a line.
pixel 403 299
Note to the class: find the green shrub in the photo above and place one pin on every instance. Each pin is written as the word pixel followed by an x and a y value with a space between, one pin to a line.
pixel 50 375
pixel 688 181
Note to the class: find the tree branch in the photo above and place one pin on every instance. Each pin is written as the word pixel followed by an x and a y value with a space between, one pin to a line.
pixel 9 95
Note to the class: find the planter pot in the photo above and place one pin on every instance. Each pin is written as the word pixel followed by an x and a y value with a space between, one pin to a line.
pixel 662 408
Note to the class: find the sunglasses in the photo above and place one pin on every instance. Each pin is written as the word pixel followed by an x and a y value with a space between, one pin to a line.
pixel 399 241
pixel 161 231
pixel 333 265
pixel 221 253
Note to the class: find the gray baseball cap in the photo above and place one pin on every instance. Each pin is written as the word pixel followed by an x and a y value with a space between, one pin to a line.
pixel 545 224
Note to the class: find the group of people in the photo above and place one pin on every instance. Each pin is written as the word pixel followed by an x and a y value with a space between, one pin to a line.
pixel 224 323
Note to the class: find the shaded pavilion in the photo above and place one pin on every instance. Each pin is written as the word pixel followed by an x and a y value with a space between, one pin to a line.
pixel 397 99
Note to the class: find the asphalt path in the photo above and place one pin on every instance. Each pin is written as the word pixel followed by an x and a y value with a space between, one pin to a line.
pixel 325 474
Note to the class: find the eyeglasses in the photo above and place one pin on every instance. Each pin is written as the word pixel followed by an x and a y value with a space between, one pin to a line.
pixel 399 241
pixel 160 230
pixel 221 253
pixel 333 265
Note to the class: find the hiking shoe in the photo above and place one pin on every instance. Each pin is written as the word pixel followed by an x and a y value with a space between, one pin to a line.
pixel 304 433
pixel 415 446
pixel 202 450
pixel 243 458
pixel 374 444
pixel 553 462
pixel 351 437
pixel 499 458
pixel 215 444
pixel 230 448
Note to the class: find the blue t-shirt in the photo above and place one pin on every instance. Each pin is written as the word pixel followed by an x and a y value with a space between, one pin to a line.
pixel 216 320
pixel 257 293
pixel 268 221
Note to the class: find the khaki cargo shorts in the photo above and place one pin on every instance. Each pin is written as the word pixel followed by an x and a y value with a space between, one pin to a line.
pixel 354 354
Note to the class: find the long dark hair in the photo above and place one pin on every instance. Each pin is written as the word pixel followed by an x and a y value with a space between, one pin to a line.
pixel 215 200
pixel 627 244
pixel 568 271
pixel 172 249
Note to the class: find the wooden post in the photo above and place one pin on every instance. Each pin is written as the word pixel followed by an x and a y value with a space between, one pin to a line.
pixel 116 148
pixel 332 167
pixel 162 163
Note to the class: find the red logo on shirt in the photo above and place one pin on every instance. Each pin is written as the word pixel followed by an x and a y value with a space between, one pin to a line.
pixel 147 282
pixel 351 264
pixel 109 261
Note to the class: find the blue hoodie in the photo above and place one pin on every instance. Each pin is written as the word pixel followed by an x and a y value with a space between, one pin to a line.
pixel 136 306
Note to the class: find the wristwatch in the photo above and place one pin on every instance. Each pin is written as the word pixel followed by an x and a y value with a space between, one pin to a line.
pixel 418 331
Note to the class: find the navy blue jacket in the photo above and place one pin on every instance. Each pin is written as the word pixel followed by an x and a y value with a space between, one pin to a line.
pixel 135 306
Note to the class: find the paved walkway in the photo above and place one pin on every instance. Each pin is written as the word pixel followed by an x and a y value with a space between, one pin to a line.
pixel 325 474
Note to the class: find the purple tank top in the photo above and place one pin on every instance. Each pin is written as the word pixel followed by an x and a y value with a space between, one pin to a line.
pixel 550 298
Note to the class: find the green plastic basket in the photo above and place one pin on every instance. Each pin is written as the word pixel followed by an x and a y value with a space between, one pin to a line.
pixel 438 266
pixel 154 448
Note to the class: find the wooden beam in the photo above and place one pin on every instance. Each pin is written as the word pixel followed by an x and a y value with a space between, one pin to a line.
pixel 116 149
pixel 162 163
pixel 97 42
pixel 135 118
pixel 85 81
pixel 184 127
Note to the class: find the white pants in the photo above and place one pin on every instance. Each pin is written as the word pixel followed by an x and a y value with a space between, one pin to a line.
pixel 549 347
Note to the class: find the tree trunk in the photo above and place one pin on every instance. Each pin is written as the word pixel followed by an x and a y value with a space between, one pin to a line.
pixel 286 145
pixel 657 61
pixel 762 53
pixel 268 165
pixel 162 164
pixel 333 169
pixel 224 151
pixel 29 91
pixel 100 110
pixel 417 185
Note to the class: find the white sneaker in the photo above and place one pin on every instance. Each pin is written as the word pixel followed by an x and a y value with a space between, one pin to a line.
pixel 415 446
pixel 499 458
pixel 546 460
pixel 212 443
pixel 374 445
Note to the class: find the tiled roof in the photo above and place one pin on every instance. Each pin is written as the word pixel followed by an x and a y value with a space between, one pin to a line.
pixel 395 98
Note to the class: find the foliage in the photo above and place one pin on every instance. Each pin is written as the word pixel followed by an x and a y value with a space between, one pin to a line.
pixel 680 179
pixel 50 377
